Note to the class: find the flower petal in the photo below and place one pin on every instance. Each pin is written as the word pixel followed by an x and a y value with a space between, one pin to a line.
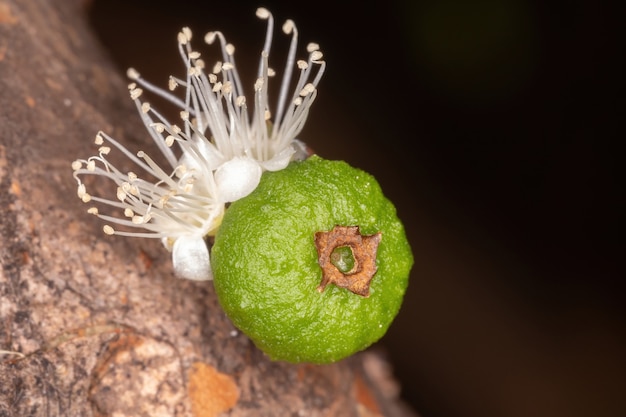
pixel 280 160
pixel 237 178
pixel 190 257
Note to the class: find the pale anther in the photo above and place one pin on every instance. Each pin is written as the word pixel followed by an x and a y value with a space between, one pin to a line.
pixel 288 26
pixel 121 195
pixel 126 187
pixel 108 230
pixel 159 127
pixel 93 210
pixel 227 87
pixel 316 55
pixel 172 84
pixel 145 107
pixel 307 89
pixel 312 46
pixel 135 93
pixel 262 13
pixel 209 38
pixel 132 73
pixel 187 33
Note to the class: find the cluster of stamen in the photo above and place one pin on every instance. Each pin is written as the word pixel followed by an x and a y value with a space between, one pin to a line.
pixel 215 156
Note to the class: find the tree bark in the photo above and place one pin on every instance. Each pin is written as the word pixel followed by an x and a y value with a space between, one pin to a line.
pixel 94 325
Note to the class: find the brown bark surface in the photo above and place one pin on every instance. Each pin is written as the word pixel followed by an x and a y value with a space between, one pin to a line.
pixel 93 325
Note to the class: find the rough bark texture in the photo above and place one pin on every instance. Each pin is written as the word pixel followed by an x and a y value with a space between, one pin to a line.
pixel 92 325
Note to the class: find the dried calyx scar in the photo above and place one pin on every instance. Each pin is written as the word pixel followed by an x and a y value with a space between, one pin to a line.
pixel 216 155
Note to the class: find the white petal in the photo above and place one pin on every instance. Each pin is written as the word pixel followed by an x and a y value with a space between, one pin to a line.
pixel 190 257
pixel 237 178
pixel 280 160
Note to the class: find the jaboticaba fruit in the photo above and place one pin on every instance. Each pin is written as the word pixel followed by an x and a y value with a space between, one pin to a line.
pixel 314 264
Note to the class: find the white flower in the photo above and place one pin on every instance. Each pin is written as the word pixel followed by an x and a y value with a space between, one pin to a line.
pixel 217 155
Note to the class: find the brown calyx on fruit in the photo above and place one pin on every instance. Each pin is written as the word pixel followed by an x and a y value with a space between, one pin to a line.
pixel 347 258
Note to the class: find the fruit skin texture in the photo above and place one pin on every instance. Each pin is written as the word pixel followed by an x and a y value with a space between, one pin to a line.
pixel 266 267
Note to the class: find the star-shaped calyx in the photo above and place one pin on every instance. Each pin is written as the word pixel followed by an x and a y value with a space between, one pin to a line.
pixel 347 258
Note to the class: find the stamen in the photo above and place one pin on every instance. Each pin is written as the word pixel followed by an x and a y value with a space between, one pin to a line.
pixel 135 93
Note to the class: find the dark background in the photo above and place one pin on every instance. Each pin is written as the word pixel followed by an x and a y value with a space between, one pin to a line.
pixel 495 126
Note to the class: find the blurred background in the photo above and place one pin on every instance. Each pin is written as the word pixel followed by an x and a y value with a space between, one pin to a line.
pixel 495 127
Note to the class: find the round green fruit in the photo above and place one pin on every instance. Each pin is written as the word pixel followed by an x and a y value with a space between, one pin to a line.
pixel 314 263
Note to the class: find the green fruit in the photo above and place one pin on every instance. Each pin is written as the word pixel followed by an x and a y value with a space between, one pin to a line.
pixel 266 271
